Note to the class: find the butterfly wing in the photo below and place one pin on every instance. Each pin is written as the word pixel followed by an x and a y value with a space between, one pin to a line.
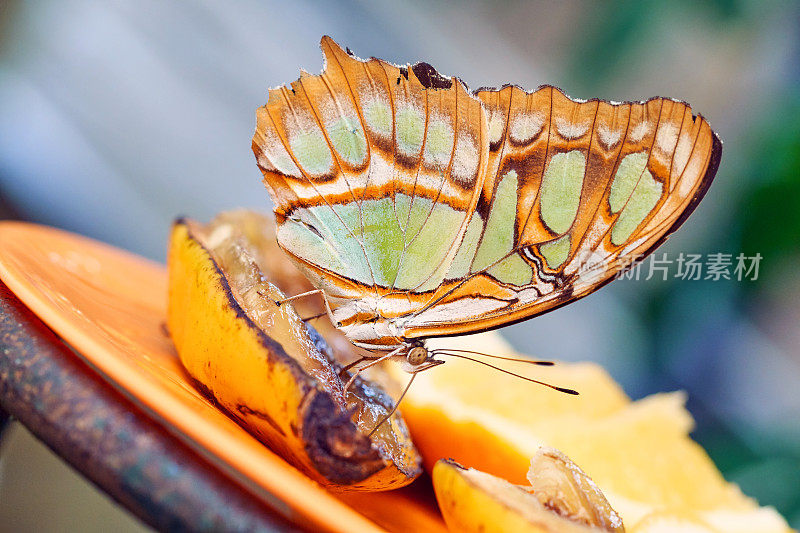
pixel 374 170
pixel 424 210
pixel 576 191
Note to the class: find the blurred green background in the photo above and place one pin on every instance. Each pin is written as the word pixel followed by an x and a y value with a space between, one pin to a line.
pixel 116 117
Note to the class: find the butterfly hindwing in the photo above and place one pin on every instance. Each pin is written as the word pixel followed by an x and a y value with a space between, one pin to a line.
pixel 615 181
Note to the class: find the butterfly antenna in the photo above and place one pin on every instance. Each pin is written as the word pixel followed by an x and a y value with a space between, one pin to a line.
pixel 504 358
pixel 396 405
pixel 548 385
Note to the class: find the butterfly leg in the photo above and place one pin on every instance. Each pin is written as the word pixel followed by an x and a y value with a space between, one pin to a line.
pixel 297 297
pixel 348 366
pixel 311 293
pixel 373 362
pixel 314 317
pixel 396 404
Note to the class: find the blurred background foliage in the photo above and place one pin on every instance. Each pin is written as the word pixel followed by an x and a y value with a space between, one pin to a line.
pixel 116 117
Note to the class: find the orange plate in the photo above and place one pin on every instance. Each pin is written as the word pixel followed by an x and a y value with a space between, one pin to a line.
pixel 110 305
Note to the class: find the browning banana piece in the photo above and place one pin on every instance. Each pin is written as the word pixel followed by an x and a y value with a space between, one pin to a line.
pixel 259 362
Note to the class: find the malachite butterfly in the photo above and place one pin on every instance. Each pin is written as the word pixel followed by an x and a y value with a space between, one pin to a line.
pixel 422 209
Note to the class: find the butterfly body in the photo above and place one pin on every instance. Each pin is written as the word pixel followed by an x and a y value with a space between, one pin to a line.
pixel 422 209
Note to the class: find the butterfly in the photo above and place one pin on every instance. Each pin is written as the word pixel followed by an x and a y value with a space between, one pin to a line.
pixel 419 208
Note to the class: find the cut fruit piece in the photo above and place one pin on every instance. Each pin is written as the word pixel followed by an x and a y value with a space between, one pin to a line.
pixel 481 387
pixel 561 498
pixel 493 413
pixel 259 362
pixel 560 485
pixel 639 453
pixel 664 522
pixel 643 453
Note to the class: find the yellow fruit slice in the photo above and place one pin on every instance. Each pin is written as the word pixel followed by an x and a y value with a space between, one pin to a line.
pixel 493 414
pixel 639 453
pixel 259 362
pixel 665 522
pixel 560 498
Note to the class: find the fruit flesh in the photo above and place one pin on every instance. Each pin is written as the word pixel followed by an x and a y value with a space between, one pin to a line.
pixel 561 499
pixel 639 452
pixel 492 414
pixel 560 485
pixel 259 298
pixel 258 361
pixel 241 243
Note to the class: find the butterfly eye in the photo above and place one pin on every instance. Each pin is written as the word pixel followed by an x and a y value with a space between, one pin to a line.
pixel 417 355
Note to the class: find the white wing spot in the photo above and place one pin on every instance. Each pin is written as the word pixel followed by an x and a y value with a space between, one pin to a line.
pixel 381 170
pixel 608 137
pixel 682 153
pixel 639 131
pixel 667 136
pixel 465 161
pixel 570 130
pixel 525 126
pixel 690 176
pixel 496 126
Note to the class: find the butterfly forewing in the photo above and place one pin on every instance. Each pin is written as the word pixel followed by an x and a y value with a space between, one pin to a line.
pixel 422 209
pixel 375 171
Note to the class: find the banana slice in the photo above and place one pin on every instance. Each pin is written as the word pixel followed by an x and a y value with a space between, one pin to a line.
pixel 259 361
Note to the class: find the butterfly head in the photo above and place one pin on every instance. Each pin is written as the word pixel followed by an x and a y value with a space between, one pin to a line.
pixel 418 358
